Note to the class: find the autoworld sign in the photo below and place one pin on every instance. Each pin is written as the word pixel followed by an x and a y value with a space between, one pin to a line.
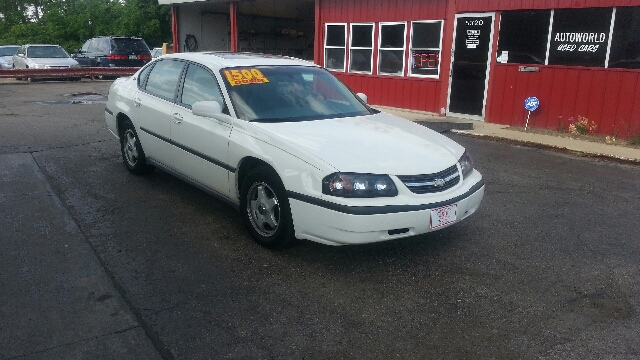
pixel 580 37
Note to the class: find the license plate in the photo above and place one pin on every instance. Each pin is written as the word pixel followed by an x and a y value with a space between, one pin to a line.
pixel 443 215
pixel 133 57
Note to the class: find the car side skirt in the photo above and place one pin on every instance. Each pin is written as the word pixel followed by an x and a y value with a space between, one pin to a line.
pixel 233 202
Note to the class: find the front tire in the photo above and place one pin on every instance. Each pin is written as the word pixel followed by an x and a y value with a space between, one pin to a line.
pixel 132 152
pixel 265 209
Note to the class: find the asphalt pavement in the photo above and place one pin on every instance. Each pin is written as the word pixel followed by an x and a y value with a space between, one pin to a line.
pixel 58 301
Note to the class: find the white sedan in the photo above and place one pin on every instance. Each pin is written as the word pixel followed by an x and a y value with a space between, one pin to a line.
pixel 298 153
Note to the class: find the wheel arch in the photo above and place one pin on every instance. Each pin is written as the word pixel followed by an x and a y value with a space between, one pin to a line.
pixel 120 119
pixel 245 166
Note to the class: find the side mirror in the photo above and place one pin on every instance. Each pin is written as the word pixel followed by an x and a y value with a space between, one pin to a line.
pixel 363 97
pixel 210 109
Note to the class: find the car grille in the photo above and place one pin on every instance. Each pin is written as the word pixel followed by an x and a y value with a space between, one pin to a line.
pixel 431 183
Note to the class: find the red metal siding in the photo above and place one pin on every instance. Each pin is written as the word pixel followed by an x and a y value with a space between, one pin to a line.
pixel 381 10
pixel 497 5
pixel 405 92
pixel 608 97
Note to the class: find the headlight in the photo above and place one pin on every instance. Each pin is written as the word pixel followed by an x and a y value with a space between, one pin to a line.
pixel 39 66
pixel 466 164
pixel 352 185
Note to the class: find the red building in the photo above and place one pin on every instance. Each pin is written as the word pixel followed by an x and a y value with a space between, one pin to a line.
pixel 474 59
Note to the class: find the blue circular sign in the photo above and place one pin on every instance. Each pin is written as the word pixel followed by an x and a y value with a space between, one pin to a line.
pixel 531 103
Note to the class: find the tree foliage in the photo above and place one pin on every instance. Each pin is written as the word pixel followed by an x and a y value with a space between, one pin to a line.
pixel 69 23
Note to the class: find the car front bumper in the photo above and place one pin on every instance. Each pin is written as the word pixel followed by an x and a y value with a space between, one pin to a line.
pixel 342 225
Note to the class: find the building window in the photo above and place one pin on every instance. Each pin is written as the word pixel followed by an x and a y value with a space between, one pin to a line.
pixel 335 46
pixel 391 45
pixel 426 42
pixel 524 36
pixel 580 37
pixel 625 43
pixel 361 48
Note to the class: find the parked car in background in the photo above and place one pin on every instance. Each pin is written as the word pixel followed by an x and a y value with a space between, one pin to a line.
pixel 290 146
pixel 43 56
pixel 113 51
pixel 6 56
pixel 156 52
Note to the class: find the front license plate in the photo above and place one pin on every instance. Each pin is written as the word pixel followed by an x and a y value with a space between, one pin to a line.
pixel 443 215
pixel 133 57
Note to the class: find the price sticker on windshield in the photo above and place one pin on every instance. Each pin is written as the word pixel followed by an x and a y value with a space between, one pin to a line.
pixel 245 76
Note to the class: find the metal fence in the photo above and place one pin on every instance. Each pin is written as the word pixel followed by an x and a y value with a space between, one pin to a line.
pixel 90 72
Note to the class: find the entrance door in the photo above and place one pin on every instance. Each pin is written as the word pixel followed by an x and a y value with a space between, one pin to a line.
pixel 469 74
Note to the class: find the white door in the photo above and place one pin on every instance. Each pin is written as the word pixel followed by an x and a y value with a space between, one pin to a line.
pixel 201 144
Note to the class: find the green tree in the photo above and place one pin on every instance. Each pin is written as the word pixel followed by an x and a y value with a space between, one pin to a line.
pixel 70 23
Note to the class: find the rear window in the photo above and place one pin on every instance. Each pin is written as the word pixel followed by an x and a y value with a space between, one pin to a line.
pixel 128 45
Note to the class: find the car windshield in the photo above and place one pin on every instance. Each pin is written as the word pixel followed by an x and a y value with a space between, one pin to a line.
pixel 290 93
pixel 8 50
pixel 128 45
pixel 46 52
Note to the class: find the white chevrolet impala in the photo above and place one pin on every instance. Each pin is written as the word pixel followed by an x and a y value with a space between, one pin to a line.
pixel 298 153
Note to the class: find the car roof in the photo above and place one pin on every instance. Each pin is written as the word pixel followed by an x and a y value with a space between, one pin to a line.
pixel 238 59
pixel 117 37
pixel 41 45
pixel 3 46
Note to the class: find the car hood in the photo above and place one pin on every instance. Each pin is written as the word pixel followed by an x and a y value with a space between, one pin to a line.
pixel 379 143
pixel 53 61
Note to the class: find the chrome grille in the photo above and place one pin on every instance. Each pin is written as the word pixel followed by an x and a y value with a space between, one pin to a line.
pixel 431 183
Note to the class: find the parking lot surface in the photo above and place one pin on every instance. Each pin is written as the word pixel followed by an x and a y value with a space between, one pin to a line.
pixel 98 263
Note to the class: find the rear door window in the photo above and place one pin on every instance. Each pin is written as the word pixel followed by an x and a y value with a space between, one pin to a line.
pixel 163 78
pixel 101 45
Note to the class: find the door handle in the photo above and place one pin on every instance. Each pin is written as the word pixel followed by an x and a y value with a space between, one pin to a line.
pixel 136 102
pixel 177 118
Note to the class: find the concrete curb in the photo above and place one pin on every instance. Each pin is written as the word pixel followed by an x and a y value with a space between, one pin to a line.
pixel 562 149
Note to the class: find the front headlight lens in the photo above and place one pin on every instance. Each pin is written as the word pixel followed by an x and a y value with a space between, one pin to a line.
pixel 466 164
pixel 354 185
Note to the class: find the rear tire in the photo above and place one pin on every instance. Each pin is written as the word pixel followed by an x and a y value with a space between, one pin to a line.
pixel 132 152
pixel 265 209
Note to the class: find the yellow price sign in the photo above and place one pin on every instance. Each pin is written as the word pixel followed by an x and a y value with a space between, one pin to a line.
pixel 245 76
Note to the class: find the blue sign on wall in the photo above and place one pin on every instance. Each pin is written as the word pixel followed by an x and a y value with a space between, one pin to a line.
pixel 531 103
